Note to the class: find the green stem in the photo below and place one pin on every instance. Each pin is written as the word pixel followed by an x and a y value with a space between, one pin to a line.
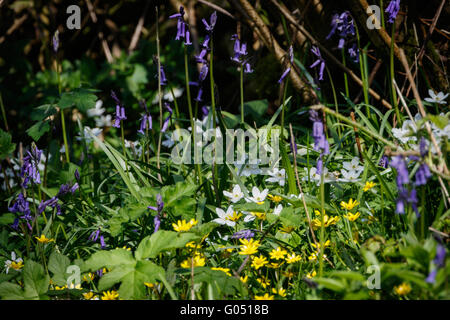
pixel 322 226
pixel 391 61
pixel 284 107
pixel 242 93
pixel 66 145
pixel 347 93
pixel 3 112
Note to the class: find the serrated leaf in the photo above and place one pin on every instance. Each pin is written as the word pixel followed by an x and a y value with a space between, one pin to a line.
pixel 38 130
pixel 161 241
pixel 35 279
pixel 11 291
pixel 83 99
pixel 58 264
pixel 6 146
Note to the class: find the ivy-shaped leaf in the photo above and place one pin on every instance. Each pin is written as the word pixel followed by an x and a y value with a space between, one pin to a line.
pixel 38 130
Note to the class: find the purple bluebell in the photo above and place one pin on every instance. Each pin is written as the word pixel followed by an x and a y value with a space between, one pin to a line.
pixel 344 26
pixel 438 261
pixel 320 140
pixel 243 234
pixel 55 41
pixel 21 206
pixel 240 53
pixel 200 58
pixel 320 61
pixel 399 163
pixel 146 120
pixel 102 242
pixel 53 203
pixel 393 9
pixel 291 61
pixel 77 175
pixel 181 25
pixel 29 170
pixel 15 224
pixel 166 121
pixel 120 111
pixel 423 147
pixel 422 175
pixel 212 22
pixel 201 77
pixel 94 235
pixel 353 52
pixel 159 208
pixel 384 161
pixel 205 112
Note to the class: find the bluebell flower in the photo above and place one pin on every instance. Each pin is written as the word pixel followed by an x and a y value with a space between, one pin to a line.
pixel 342 24
pixel 291 61
pixel 29 170
pixel 320 61
pixel 146 120
pixel 393 9
pixel 120 111
pixel 212 22
pixel 166 121
pixel 243 234
pixel 159 208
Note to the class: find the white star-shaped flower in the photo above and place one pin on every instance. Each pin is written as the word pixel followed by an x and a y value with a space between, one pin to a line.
pixel 235 195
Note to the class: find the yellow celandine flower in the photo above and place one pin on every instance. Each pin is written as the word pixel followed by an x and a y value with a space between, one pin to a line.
pixel 263 281
pixel 226 270
pixel 315 255
pixel 325 244
pixel 226 249
pixel 288 229
pixel 327 221
pixel 275 199
pixel 352 217
pixel 259 215
pixel 244 279
pixel 16 265
pixel 181 226
pixel 259 262
pixel 199 261
pixel 110 295
pixel 60 288
pixel 292 258
pixel 74 286
pixel 311 274
pixel 281 292
pixel 249 247
pixel 192 245
pixel 288 274
pixel 266 296
pixel 402 289
pixel 275 265
pixel 369 185
pixel 234 217
pixel 44 239
pixel 125 247
pixel 349 205
pixel 89 295
pixel 88 277
pixel 278 253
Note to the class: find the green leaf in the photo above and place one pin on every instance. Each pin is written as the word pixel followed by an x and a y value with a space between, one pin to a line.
pixel 161 241
pixel 35 279
pixel 112 258
pixel 6 146
pixel 38 130
pixel 138 78
pixel 331 284
pixel 58 264
pixel 6 218
pixel 11 291
pixel 43 112
pixel 256 108
pixel 83 99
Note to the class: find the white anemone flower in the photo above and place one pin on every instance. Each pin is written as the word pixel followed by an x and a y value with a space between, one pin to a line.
pixel 258 196
pixel 235 195
pixel 15 263
pixel 103 121
pixel 353 165
pixel 349 176
pixel 86 134
pixel 277 210
pixel 436 98
pixel 97 111
pixel 248 216
pixel 277 176
pixel 224 217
